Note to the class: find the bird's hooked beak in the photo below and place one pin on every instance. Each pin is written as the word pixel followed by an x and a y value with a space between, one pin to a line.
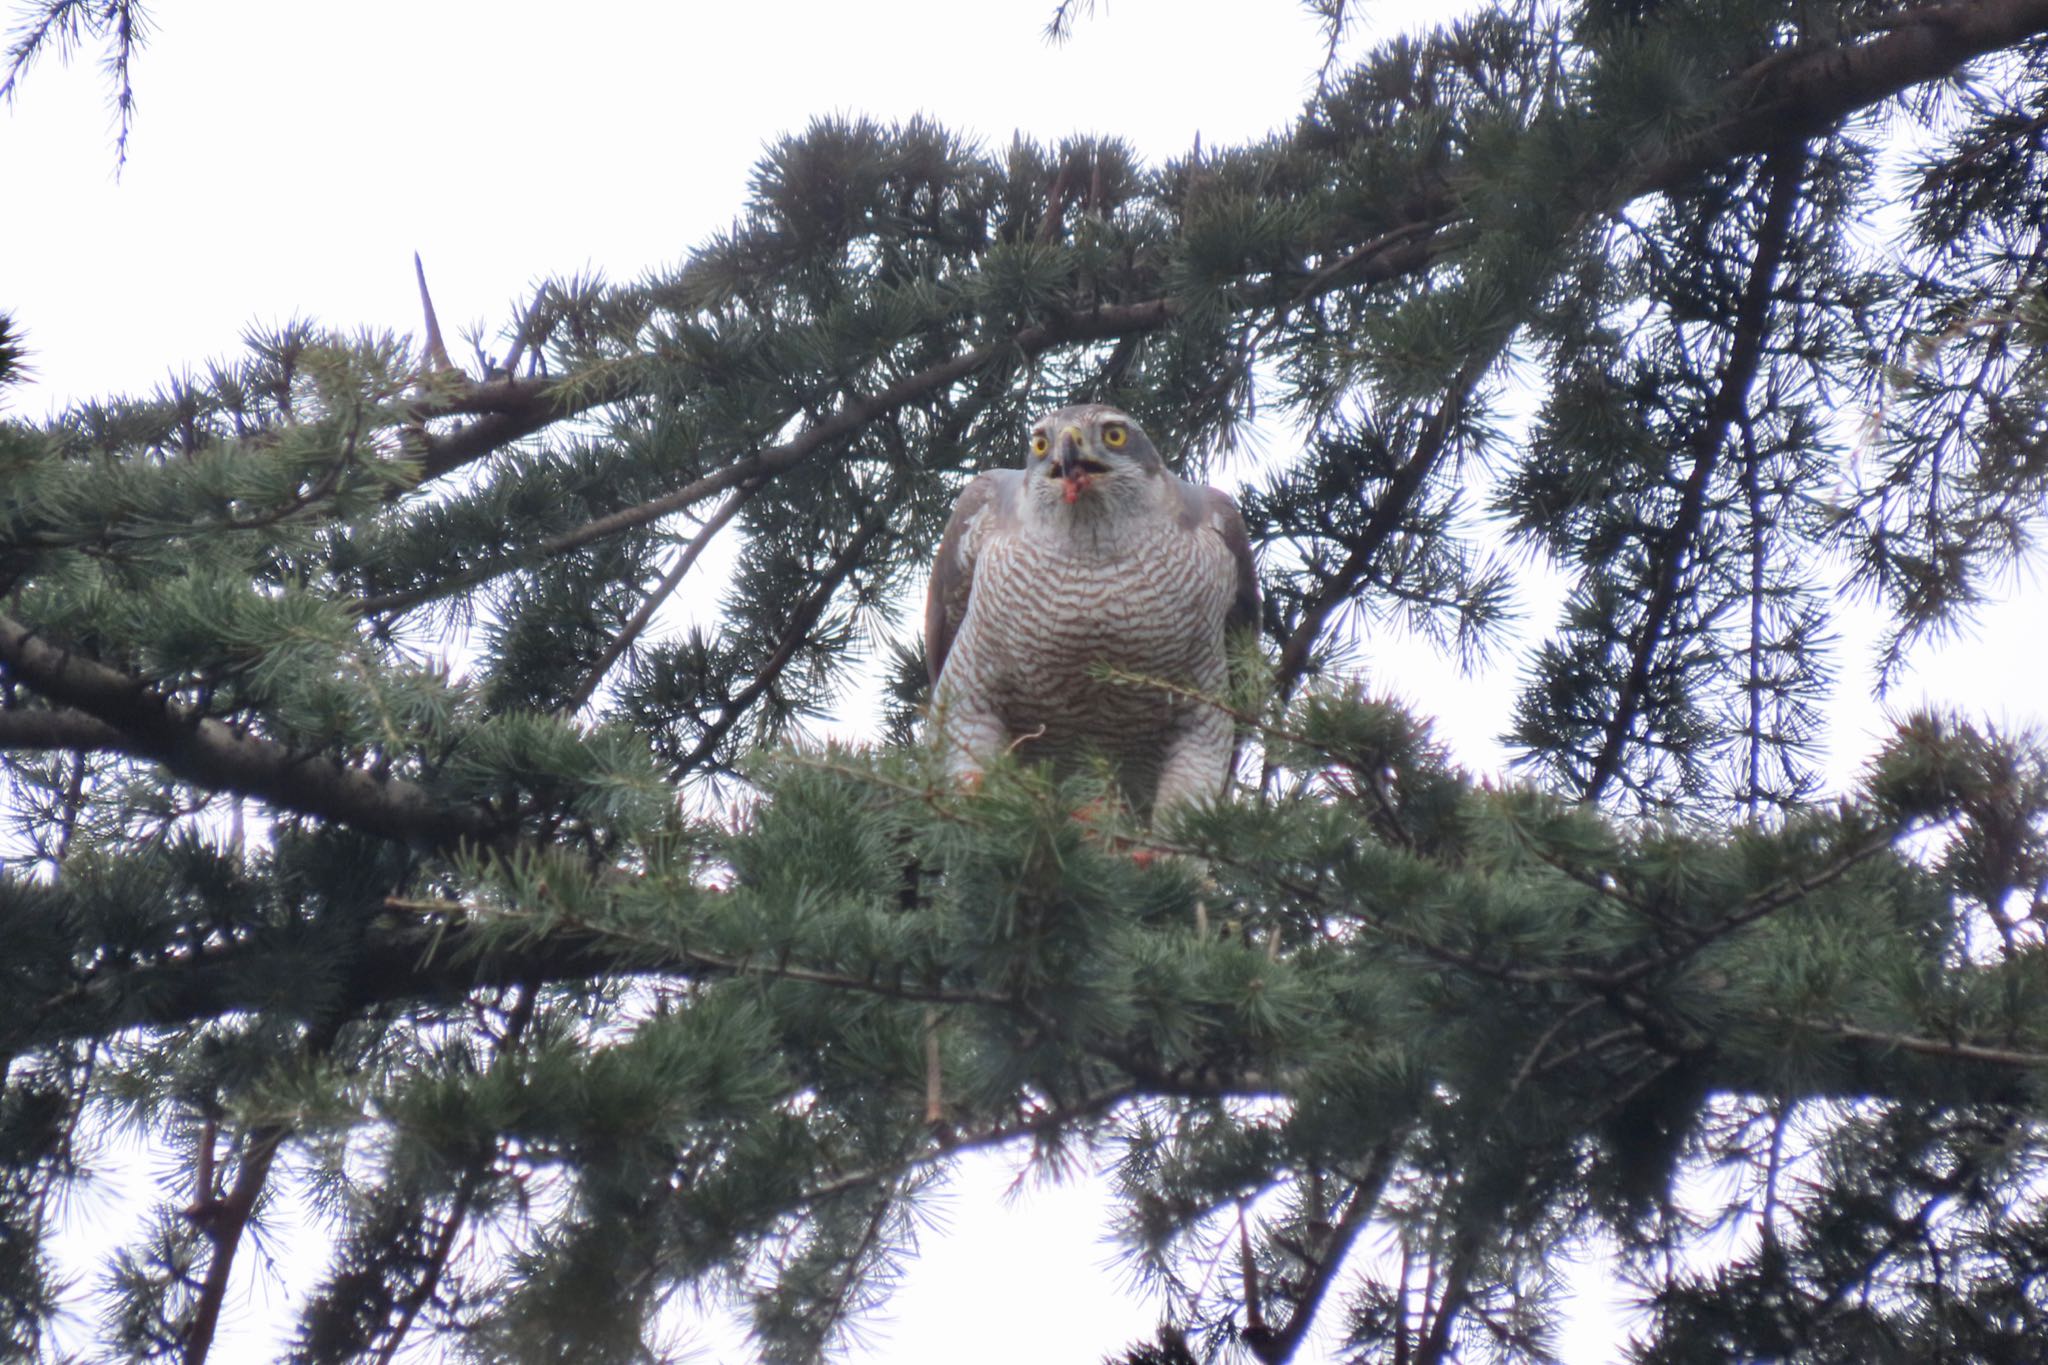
pixel 1073 467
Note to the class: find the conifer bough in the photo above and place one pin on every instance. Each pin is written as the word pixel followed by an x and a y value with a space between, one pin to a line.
pixel 373 839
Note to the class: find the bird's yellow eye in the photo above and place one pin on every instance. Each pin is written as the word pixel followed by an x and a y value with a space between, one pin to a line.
pixel 1039 443
pixel 1115 434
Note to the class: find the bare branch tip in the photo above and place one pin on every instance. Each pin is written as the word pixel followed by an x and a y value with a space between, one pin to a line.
pixel 435 356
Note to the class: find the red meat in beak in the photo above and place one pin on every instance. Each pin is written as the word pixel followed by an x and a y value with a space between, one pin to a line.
pixel 1076 470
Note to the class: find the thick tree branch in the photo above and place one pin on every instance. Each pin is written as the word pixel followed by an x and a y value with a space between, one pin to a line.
pixel 1330 1257
pixel 1802 92
pixel 62 728
pixel 223 1219
pixel 442 952
pixel 451 952
pixel 213 756
pixel 506 409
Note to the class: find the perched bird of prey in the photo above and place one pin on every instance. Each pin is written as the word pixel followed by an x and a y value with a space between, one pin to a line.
pixel 1094 553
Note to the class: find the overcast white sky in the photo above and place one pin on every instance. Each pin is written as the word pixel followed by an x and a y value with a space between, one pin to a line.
pixel 288 159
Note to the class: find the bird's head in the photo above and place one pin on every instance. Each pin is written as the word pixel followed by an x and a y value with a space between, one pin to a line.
pixel 1088 458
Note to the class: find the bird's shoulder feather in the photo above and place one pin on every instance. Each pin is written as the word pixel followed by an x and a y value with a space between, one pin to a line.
pixel 987 506
pixel 1214 511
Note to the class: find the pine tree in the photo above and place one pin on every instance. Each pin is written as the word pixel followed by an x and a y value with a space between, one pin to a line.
pixel 369 839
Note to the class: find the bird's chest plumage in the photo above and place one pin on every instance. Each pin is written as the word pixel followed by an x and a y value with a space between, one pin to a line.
pixel 1049 613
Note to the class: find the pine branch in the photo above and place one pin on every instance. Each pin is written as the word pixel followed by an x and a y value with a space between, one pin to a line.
pixel 1331 1257
pixel 1534 1055
pixel 1809 90
pixel 1815 87
pixel 1450 1302
pixel 1803 92
pixel 1784 167
pixel 209 754
pixel 854 413
pixel 430 1278
pixel 1041 1123
pixel 59 25
pixel 1060 27
pixel 472 1179
pixel 1610 981
pixel 223 1219
pixel 73 808
pixel 1753 736
pixel 670 581
pixel 801 621
pixel 1441 953
pixel 1431 218
pixel 674 960
pixel 847 1283
pixel 1192 1081
pixel 1592 1047
pixel 1920 1045
pixel 1538 970
pixel 449 957
pixel 61 728
pixel 1764 904
pixel 1340 587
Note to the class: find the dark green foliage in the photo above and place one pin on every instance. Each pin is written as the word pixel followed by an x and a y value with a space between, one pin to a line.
pixel 374 838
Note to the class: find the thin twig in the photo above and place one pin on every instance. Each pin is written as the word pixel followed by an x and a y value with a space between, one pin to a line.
pixel 1917 1043
pixel 502 1043
pixel 801 622
pixel 1785 168
pixel 677 958
pixel 1037 1125
pixel 1432 443
pixel 855 412
pixel 437 1264
pixel 1592 1046
pixel 630 632
pixel 1541 1046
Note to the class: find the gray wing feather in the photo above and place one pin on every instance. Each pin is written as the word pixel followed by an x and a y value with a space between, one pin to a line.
pixel 1207 508
pixel 991 497
pixel 1229 523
